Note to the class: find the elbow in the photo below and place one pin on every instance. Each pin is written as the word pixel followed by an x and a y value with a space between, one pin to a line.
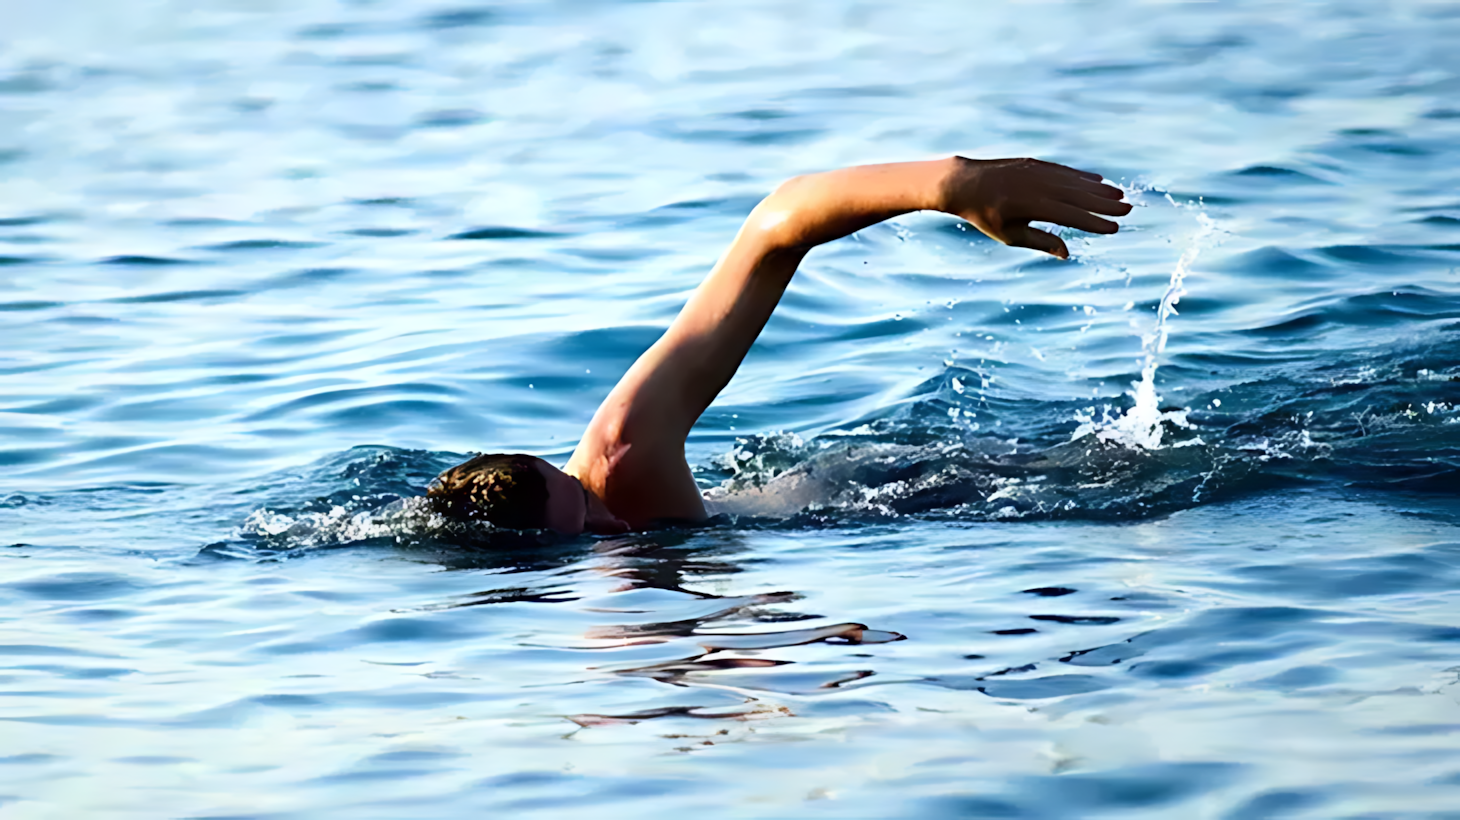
pixel 777 221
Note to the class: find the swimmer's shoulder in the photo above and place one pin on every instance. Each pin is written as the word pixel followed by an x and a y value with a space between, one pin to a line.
pixel 641 479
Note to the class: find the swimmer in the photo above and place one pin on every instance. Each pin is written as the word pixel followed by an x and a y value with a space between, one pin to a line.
pixel 629 469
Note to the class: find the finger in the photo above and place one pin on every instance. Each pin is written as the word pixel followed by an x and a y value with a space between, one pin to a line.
pixel 1086 175
pixel 1091 202
pixel 1071 217
pixel 1100 189
pixel 1023 236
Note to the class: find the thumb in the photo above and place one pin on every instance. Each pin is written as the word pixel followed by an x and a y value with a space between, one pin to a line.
pixel 1024 236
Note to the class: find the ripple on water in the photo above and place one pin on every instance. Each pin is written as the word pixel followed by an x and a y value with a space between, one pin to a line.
pixel 360 400
pixel 1344 580
pixel 1278 174
pixel 500 232
pixel 1128 789
pixel 381 233
pixel 141 260
pixel 26 221
pixel 1270 262
pixel 1368 255
pixel 178 296
pixel 77 586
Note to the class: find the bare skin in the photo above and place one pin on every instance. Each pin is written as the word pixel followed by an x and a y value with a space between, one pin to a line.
pixel 629 468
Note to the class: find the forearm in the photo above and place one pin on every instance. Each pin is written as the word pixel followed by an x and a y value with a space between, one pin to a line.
pixel 672 383
pixel 716 328
pixel 818 208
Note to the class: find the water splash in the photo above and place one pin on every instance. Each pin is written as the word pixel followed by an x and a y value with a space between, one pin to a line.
pixel 756 459
pixel 1143 424
pixel 400 520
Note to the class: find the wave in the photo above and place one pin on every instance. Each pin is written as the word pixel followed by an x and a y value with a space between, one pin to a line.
pixel 1388 422
pixel 1381 424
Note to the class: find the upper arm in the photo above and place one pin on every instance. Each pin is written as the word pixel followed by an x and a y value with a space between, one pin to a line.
pixel 666 390
pixel 632 453
pixel 671 384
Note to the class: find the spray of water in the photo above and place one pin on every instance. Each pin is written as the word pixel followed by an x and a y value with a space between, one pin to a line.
pixel 1143 424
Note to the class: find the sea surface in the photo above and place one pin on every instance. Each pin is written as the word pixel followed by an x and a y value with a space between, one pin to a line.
pixel 1169 530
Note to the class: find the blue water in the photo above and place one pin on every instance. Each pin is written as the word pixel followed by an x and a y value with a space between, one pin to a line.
pixel 267 267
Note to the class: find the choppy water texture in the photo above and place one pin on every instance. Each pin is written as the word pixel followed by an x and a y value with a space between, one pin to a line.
pixel 268 266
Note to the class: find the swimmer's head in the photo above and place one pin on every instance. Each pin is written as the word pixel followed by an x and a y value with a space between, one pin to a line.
pixel 520 492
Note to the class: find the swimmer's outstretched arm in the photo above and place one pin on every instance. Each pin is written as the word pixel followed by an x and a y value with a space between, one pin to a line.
pixel 639 431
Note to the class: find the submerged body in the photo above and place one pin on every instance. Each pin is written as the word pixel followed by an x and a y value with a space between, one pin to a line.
pixel 629 469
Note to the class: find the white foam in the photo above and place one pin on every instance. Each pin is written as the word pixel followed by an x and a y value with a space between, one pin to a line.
pixel 406 517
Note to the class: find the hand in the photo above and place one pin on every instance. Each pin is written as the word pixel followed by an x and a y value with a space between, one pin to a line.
pixel 1002 196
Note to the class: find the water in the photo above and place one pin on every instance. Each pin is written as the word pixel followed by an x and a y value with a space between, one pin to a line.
pixel 1017 540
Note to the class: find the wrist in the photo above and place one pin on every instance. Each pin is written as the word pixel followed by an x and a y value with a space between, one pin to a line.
pixel 950 170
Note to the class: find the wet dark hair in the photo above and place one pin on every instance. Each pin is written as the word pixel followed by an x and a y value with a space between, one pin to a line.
pixel 505 489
